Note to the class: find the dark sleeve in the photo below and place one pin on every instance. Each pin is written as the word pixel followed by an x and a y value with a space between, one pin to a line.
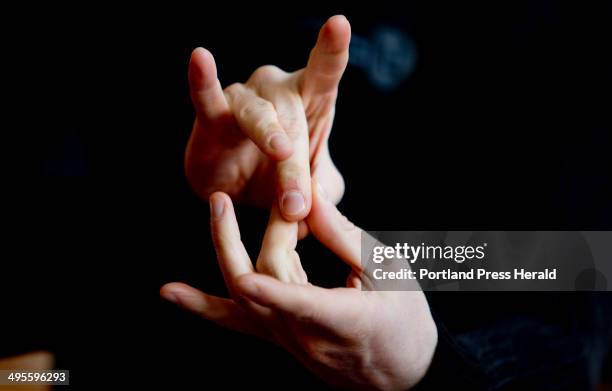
pixel 529 341
pixel 450 366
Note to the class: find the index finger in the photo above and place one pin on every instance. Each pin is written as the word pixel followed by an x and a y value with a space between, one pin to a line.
pixel 293 173
pixel 232 256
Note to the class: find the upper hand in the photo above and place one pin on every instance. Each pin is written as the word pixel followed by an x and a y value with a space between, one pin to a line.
pixel 259 141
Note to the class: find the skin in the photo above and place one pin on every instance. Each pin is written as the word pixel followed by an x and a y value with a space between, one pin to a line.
pixel 262 140
pixel 351 337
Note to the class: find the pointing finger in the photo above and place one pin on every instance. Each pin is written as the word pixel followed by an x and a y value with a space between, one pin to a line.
pixel 258 119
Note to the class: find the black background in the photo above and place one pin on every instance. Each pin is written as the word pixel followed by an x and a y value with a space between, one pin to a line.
pixel 504 124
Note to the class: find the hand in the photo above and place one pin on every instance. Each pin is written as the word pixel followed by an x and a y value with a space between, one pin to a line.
pixel 259 141
pixel 348 336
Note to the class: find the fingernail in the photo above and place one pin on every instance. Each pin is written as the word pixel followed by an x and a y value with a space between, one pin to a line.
pixel 278 142
pixel 293 202
pixel 216 207
pixel 322 192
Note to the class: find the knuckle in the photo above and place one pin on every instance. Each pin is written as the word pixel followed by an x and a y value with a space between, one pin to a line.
pixel 319 351
pixel 293 132
pixel 283 265
pixel 240 300
pixel 247 111
pixel 295 128
pixel 269 264
pixel 266 72
pixel 290 171
pixel 312 349
pixel 272 257
pixel 303 309
pixel 233 89
pixel 255 108
pixel 266 106
pixel 266 124
pixel 289 121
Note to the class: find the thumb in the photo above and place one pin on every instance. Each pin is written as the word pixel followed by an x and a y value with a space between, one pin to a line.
pixel 333 229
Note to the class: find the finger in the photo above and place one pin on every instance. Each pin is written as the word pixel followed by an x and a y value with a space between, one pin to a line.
pixel 300 301
pixel 278 257
pixel 328 59
pixel 338 309
pixel 302 230
pixel 294 192
pixel 353 281
pixel 334 230
pixel 206 92
pixel 231 254
pixel 258 119
pixel 327 174
pixel 233 258
pixel 293 173
pixel 223 312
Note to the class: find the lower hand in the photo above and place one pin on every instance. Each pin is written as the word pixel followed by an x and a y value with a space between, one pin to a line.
pixel 348 336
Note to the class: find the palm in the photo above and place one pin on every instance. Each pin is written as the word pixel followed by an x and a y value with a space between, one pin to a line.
pixel 231 163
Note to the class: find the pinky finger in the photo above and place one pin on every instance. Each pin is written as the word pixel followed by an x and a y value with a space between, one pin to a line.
pixel 224 312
